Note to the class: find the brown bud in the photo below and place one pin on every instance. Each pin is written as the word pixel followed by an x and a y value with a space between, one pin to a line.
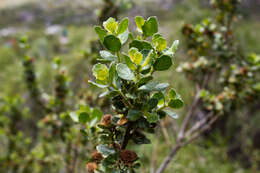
pixel 91 167
pixel 128 157
pixel 122 121
pixel 106 120
pixel 96 156
pixel 221 97
pixel 243 70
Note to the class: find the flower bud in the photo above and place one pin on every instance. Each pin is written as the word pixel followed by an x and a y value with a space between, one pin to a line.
pixel 128 157
pixel 106 120
pixel 96 156
pixel 91 167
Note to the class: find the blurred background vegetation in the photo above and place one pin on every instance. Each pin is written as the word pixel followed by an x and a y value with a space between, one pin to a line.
pixel 64 28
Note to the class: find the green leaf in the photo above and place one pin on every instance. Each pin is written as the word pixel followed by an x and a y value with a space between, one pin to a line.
pixel 162 63
pixel 100 71
pixel 110 25
pixel 129 63
pixel 135 56
pixel 141 45
pixel 160 44
pixel 97 85
pixel 150 26
pixel 144 80
pixel 123 37
pixel 74 116
pixel 112 71
pixel 134 115
pixel 160 97
pixel 176 103
pixel 96 113
pixel 152 103
pixel 139 20
pixel 105 150
pixel 152 117
pixel 171 114
pixel 107 55
pixel 124 72
pixel 84 117
pixel 174 46
pixel 172 94
pixel 154 86
pixel 101 33
pixel 147 59
pixel 112 43
pixel 123 26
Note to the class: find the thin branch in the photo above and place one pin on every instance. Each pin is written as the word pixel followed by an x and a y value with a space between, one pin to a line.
pixel 188 116
pixel 165 134
pixel 202 130
pixel 199 124
pixel 167 160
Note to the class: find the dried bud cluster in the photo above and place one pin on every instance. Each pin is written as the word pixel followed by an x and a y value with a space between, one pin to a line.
pixel 106 120
pixel 96 156
pixel 128 157
pixel 91 167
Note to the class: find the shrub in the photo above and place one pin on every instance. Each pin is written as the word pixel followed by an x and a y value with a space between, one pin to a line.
pixel 138 101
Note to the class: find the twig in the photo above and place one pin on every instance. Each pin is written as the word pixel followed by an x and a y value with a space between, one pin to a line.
pixel 165 134
pixel 202 128
pixel 199 124
pixel 167 160
pixel 188 117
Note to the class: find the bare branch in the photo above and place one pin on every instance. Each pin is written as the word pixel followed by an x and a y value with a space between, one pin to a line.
pixel 188 116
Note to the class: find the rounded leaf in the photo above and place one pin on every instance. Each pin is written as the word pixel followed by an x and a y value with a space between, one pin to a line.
pixel 176 103
pixel 135 56
pixel 160 44
pixel 112 43
pixel 162 63
pixel 84 117
pixel 100 71
pixel 123 26
pixel 101 33
pixel 110 25
pixel 150 26
pixel 139 20
pixel 124 72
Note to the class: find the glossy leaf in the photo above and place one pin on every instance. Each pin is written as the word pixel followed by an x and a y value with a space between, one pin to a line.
pixel 107 55
pixel 110 25
pixel 150 26
pixel 176 103
pixel 135 56
pixel 100 71
pixel 141 45
pixel 112 43
pixel 160 44
pixel 171 114
pixel 112 71
pixel 123 26
pixel 154 86
pixel 101 33
pixel 129 63
pixel 162 63
pixel 139 20
pixel 124 72
pixel 105 150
